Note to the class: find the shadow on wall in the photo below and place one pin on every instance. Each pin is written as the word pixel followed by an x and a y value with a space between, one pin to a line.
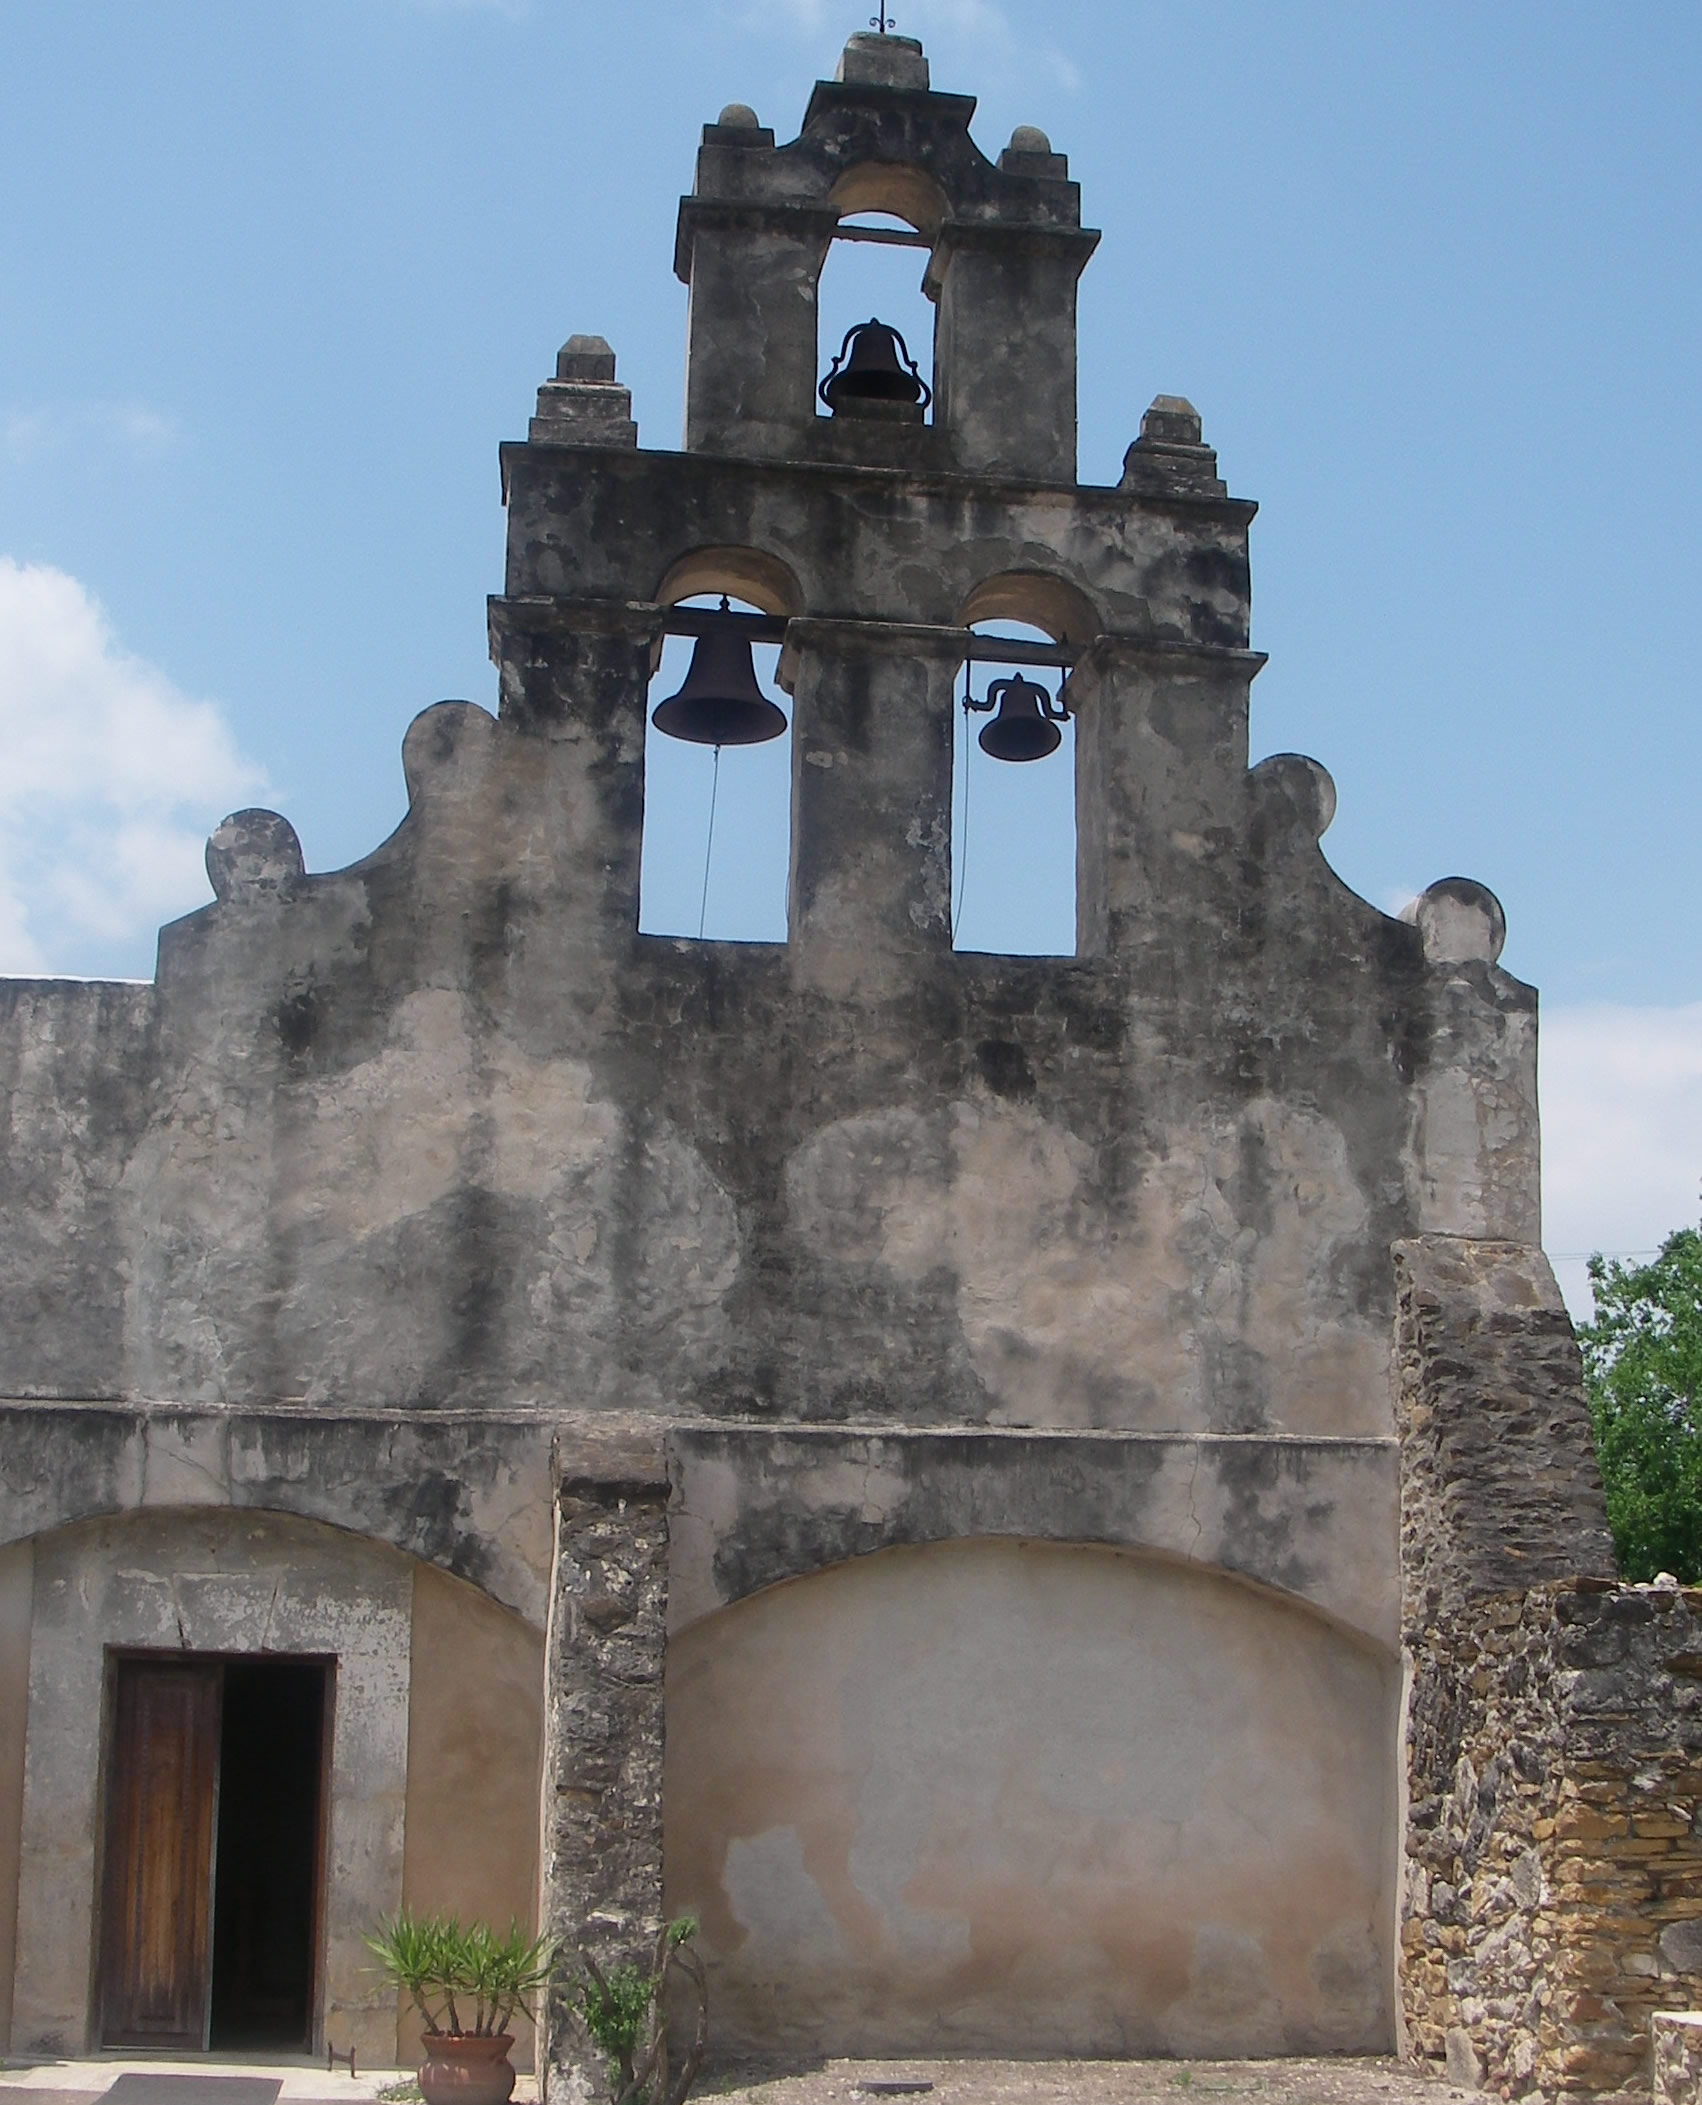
pixel 996 1796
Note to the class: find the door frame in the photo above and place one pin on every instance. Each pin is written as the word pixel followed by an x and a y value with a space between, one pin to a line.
pixel 116 1657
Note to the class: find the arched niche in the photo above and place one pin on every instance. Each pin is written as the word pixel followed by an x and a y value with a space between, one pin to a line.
pixel 432 1736
pixel 1010 1797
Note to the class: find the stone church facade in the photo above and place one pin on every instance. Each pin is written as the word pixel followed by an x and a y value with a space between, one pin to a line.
pixel 897 1452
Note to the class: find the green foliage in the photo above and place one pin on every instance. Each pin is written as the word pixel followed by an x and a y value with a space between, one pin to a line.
pixel 625 2009
pixel 614 2006
pixel 1643 1373
pixel 451 1973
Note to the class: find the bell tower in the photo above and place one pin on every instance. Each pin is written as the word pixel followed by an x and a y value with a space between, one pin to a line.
pixel 1002 246
pixel 983 1209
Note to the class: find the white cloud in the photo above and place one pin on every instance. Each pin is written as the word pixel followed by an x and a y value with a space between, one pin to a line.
pixel 113 778
pixel 1622 1132
pixel 143 433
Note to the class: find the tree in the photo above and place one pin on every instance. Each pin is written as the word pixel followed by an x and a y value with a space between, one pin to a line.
pixel 1643 1373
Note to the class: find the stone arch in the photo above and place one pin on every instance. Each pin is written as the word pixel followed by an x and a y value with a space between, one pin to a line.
pixel 1042 600
pixel 742 573
pixel 433 1749
pixel 470 1494
pixel 907 192
pixel 994 1793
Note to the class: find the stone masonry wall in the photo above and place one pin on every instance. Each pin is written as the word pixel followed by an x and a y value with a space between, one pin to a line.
pixel 1554 1881
pixel 602 1812
pixel 1553 1891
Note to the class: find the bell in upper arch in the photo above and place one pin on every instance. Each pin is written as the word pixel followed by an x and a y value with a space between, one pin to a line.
pixel 720 703
pixel 1026 727
pixel 874 365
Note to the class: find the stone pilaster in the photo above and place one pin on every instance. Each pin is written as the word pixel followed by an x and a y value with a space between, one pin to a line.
pixel 601 1852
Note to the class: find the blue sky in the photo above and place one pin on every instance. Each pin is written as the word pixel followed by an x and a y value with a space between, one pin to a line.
pixel 279 275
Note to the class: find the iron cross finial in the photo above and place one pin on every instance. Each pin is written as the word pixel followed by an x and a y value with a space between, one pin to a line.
pixel 883 21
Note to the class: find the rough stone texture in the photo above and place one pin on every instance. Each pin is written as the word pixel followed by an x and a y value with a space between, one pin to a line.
pixel 603 1733
pixel 1554 1884
pixel 1499 1484
pixel 1676 2040
pixel 1553 1893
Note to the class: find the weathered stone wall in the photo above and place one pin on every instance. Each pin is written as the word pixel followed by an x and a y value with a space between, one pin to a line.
pixel 1499 1484
pixel 1677 2040
pixel 603 1727
pixel 1554 1722
pixel 1554 1895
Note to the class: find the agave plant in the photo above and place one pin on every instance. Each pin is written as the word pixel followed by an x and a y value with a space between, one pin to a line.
pixel 450 1973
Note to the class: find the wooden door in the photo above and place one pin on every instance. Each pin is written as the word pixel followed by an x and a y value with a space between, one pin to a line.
pixel 157 1903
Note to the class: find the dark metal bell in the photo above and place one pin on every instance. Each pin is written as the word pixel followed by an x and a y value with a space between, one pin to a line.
pixel 874 365
pixel 720 703
pixel 1026 727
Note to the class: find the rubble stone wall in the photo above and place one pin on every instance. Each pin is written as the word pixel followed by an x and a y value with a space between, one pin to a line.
pixel 1554 1872
pixel 1553 1887
pixel 602 1813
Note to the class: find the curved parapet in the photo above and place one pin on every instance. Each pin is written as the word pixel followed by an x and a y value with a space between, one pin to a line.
pixel 1477 1137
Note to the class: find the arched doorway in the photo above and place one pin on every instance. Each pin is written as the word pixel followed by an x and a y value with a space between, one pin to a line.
pixel 249 1737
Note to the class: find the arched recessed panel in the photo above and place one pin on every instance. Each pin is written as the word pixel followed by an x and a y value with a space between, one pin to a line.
pixel 433 1691
pixel 1009 1797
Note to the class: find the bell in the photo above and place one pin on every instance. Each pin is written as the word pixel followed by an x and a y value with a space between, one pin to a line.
pixel 720 703
pixel 1026 727
pixel 871 367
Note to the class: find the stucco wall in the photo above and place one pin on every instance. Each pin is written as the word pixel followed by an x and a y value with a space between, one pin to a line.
pixel 1008 1796
pixel 475 1733
pixel 16 1582
pixel 210 1581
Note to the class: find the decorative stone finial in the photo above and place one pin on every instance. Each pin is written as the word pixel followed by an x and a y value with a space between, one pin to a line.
pixel 1172 421
pixel 582 405
pixel 1170 455
pixel 1304 785
pixel 870 60
pixel 1029 138
pixel 1459 920
pixel 740 116
pixel 585 358
pixel 254 855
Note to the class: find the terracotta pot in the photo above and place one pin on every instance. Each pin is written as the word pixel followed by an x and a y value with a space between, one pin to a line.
pixel 467 2068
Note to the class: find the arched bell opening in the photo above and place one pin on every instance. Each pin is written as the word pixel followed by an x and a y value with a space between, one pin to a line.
pixel 717 840
pixel 1013 771
pixel 874 273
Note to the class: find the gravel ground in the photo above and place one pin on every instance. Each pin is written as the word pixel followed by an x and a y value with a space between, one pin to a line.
pixel 1335 2081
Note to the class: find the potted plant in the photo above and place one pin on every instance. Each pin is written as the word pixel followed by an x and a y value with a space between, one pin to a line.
pixel 467 1985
